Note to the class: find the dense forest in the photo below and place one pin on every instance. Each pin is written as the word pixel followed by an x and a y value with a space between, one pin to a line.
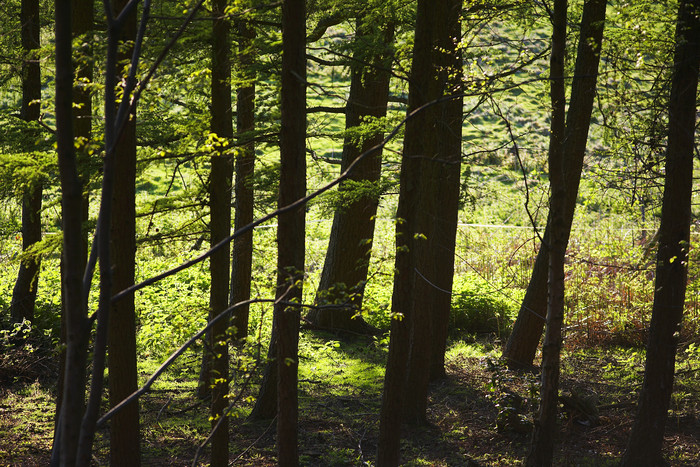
pixel 371 232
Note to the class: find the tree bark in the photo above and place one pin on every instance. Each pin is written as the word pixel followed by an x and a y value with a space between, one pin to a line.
pixel 82 16
pixel 350 244
pixel 439 153
pixel 291 229
pixel 242 260
pixel 527 329
pixel 117 120
pixel 220 225
pixel 121 337
pixel 24 292
pixel 278 391
pixel 72 404
pixel 423 159
pixel 646 439
pixel 542 447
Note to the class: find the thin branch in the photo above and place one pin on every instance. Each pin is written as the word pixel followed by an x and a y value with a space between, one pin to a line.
pixel 144 82
pixel 290 207
pixel 321 108
pixel 513 139
pixel 126 108
pixel 136 394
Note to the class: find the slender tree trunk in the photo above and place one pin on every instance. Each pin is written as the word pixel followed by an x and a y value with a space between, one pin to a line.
pixel 242 260
pixel 445 179
pixel 117 120
pixel 24 292
pixel 646 440
pixel 82 16
pixel 527 330
pixel 291 230
pixel 220 224
pixel 401 304
pixel 123 372
pixel 72 405
pixel 350 245
pixel 542 447
pixel 424 157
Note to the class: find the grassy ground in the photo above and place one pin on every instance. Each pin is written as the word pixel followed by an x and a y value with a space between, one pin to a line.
pixel 480 412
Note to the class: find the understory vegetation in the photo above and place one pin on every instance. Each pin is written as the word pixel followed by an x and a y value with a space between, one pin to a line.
pixel 483 411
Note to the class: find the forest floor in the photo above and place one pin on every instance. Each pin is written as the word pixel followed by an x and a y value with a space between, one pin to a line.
pixel 479 415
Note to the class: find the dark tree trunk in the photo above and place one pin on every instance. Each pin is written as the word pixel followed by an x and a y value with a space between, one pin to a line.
pixel 388 453
pixel 220 225
pixel 245 165
pixel 424 157
pixel 82 16
pixel 437 144
pixel 72 405
pixel 117 122
pixel 278 390
pixel 24 292
pixel 527 330
pixel 646 439
pixel 291 230
pixel 123 373
pixel 350 245
pixel 542 447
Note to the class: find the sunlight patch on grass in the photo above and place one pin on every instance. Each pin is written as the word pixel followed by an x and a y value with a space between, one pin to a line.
pixel 344 368
pixel 467 350
pixel 26 425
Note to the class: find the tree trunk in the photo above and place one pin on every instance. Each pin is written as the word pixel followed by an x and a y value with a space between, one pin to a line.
pixel 117 118
pixel 123 373
pixel 646 439
pixel 242 260
pixel 82 16
pixel 424 157
pixel 439 152
pixel 445 178
pixel 72 404
pixel 220 225
pixel 527 330
pixel 542 447
pixel 24 292
pixel 278 391
pixel 350 245
pixel 291 230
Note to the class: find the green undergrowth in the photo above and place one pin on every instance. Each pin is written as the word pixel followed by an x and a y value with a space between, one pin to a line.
pixel 340 388
pixel 26 424
pixel 341 366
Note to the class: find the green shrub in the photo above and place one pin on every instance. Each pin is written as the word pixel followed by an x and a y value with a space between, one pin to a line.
pixel 478 307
